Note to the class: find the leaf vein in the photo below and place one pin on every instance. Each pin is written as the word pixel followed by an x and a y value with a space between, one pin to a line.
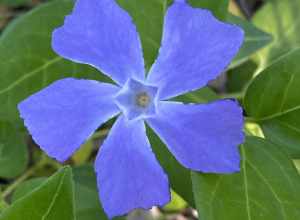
pixel 246 184
pixel 270 187
pixel 54 197
pixel 28 75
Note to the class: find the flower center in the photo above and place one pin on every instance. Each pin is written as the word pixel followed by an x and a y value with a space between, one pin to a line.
pixel 142 99
pixel 137 99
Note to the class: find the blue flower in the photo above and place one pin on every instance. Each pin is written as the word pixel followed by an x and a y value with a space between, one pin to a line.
pixel 196 48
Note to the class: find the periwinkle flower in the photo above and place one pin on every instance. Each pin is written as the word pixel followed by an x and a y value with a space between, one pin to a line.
pixel 196 48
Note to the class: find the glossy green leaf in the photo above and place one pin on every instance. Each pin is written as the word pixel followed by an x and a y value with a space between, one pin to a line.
pixel 273 101
pixel 280 19
pixel 13 151
pixel 87 205
pixel 53 200
pixel 199 96
pixel 27 187
pixel 27 61
pixel 239 78
pixel 3 205
pixel 255 39
pixel 267 188
pixel 87 202
pixel 218 7
pixel 86 195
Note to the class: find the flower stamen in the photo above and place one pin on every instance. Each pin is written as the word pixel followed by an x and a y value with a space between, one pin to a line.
pixel 142 99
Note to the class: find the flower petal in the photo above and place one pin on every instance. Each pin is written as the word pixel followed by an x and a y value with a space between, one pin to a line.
pixel 202 137
pixel 128 174
pixel 101 34
pixel 63 115
pixel 196 48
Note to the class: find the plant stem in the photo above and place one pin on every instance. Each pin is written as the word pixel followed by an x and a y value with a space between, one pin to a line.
pixel 12 187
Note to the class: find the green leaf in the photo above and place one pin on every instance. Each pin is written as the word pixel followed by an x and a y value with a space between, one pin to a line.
pixel 54 199
pixel 255 39
pixel 87 205
pixel 87 202
pixel 218 7
pixel 27 187
pixel 199 96
pixel 27 61
pixel 13 151
pixel 273 100
pixel 239 78
pixel 267 188
pixel 86 195
pixel 281 19
pixel 3 205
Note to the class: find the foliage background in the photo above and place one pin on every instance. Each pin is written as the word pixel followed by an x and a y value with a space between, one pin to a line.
pixel 264 77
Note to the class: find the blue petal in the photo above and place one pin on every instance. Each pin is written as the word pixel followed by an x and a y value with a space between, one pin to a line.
pixel 196 48
pixel 101 34
pixel 202 137
pixel 128 174
pixel 62 116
